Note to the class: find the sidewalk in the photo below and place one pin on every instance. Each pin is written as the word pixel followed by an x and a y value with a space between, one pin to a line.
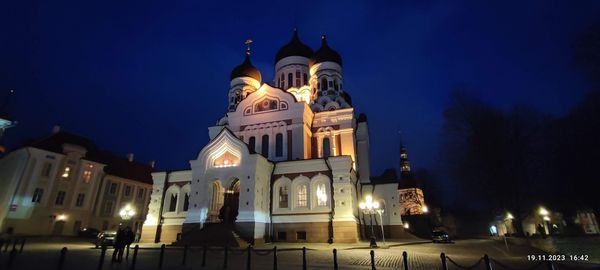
pixel 319 246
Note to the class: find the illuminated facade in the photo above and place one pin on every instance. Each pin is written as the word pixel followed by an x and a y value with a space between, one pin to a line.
pixel 285 163
pixel 63 183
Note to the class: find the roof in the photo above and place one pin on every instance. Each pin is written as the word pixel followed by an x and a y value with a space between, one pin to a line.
pixel 325 54
pixel 115 165
pixel 294 48
pixel 246 69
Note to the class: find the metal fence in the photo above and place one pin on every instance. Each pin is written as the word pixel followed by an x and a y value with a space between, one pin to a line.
pixel 14 247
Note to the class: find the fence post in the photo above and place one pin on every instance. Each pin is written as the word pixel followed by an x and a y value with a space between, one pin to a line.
pixel 204 255
pixel 550 265
pixel 405 260
pixel 22 245
pixel 303 258
pixel 275 258
pixel 6 246
pixel 11 258
pixel 102 254
pixel 185 251
pixel 162 255
pixel 335 264
pixel 61 259
pixel 488 265
pixel 225 257
pixel 15 243
pixel 444 265
pixel 372 260
pixel 249 262
pixel 134 259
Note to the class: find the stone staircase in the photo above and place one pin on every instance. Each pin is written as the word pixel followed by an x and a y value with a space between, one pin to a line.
pixel 213 234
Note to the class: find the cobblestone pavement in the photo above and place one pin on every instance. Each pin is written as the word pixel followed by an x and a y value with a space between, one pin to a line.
pixel 82 255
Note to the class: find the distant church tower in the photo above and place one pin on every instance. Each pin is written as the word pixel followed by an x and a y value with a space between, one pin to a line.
pixel 412 201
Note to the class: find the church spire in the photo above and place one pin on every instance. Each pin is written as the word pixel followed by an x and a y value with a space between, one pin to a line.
pixel 404 163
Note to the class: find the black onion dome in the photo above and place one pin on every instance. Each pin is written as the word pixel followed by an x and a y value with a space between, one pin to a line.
pixel 325 54
pixel 246 69
pixel 294 48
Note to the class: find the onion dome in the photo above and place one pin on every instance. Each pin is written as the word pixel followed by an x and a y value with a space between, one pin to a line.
pixel 325 54
pixel 246 69
pixel 294 48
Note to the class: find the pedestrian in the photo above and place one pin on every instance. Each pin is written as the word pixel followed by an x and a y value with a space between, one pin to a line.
pixel 119 246
pixel 129 237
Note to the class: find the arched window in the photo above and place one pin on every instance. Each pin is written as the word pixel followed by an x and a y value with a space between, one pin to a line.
pixel 335 85
pixel 265 146
pixel 283 196
pixel 186 202
pixel 279 145
pixel 282 81
pixel 305 78
pixel 290 79
pixel 297 78
pixel 173 203
pixel 323 84
pixel 252 143
pixel 302 196
pixel 321 195
pixel 326 148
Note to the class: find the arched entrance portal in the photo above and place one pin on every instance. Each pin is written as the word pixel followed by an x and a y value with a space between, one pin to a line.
pixel 231 203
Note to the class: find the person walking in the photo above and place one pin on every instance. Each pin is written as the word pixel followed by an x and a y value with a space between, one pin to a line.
pixel 129 237
pixel 119 246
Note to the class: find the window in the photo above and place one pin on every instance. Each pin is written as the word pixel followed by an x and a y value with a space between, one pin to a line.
pixel 321 195
pixel 326 148
pixel 305 78
pixel 140 193
pixel 46 169
pixel 80 198
pixel 297 78
pixel 108 208
pixel 301 236
pixel 113 188
pixel 66 172
pixel 282 81
pixel 281 236
pixel 323 84
pixel 104 225
pixel 37 195
pixel 252 143
pixel 265 146
pixel 335 85
pixel 60 198
pixel 173 203
pixel 290 78
pixel 87 173
pixel 127 191
pixel 302 196
pixel 186 202
pixel 76 226
pixel 283 197
pixel 279 145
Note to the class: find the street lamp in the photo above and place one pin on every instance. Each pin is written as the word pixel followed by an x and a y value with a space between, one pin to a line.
pixel 127 212
pixel 546 219
pixel 369 207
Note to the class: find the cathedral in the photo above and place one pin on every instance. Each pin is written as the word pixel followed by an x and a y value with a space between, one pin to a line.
pixel 289 161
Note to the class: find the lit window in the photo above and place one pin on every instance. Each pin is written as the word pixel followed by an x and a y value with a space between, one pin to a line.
pixel 283 197
pixel 226 160
pixel 87 174
pixel 321 195
pixel 302 196
pixel 66 172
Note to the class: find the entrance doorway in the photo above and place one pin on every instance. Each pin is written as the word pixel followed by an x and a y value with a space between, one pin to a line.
pixel 229 212
pixel 58 227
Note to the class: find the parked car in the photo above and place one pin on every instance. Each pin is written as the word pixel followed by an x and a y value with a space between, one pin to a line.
pixel 88 232
pixel 439 236
pixel 106 238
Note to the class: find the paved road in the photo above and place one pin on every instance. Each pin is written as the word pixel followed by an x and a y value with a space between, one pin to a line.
pixel 420 256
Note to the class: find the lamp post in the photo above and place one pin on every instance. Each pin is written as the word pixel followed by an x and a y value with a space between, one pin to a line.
pixel 545 219
pixel 127 212
pixel 369 207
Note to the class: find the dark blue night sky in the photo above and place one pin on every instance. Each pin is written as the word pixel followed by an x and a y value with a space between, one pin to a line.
pixel 149 78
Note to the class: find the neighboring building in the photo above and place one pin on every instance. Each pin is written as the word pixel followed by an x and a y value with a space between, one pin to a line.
pixel 6 122
pixel 286 162
pixel 586 218
pixel 412 200
pixel 64 182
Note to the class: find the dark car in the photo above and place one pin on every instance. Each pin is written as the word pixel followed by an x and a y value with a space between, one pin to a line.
pixel 88 232
pixel 106 238
pixel 439 236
